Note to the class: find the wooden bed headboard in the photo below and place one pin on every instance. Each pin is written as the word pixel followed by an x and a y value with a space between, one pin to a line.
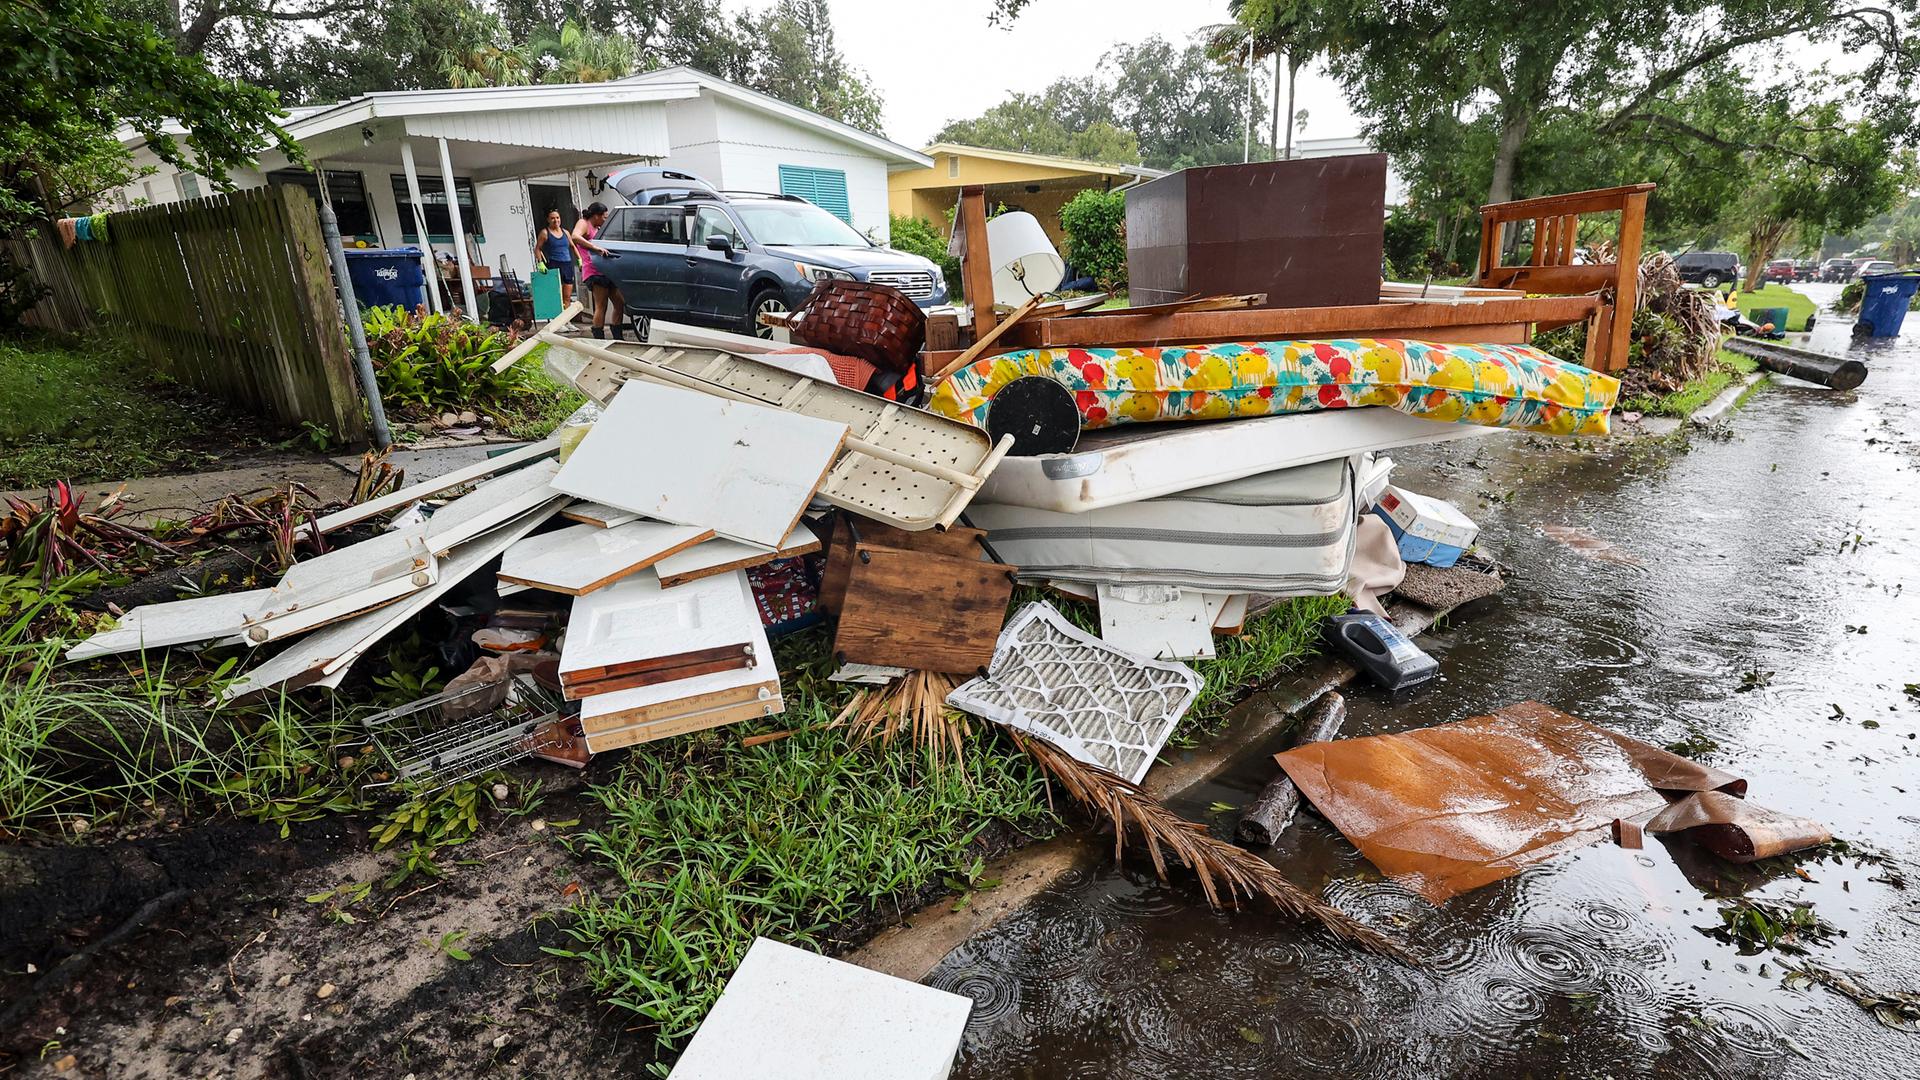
pixel 1552 271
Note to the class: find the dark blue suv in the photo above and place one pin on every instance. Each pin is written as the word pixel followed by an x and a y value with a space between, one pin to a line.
pixel 693 254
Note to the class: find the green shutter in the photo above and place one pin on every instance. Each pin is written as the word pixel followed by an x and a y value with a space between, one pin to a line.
pixel 825 188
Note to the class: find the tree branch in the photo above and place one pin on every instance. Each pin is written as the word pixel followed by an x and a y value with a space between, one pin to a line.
pixel 1681 127
pixel 1665 80
pixel 209 16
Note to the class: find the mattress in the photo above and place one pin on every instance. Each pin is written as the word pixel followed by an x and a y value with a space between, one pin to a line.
pixel 1509 386
pixel 1285 533
pixel 1140 461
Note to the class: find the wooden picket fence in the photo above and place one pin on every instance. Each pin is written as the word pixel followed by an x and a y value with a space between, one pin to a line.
pixel 230 294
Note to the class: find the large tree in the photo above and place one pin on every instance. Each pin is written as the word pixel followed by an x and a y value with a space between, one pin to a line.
pixel 1180 108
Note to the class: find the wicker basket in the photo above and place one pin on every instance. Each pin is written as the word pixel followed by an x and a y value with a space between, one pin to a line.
pixel 876 323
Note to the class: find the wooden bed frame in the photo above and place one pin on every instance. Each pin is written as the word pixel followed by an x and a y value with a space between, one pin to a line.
pixel 1576 293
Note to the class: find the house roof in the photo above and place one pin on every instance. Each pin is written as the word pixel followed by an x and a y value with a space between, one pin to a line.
pixel 1046 160
pixel 894 153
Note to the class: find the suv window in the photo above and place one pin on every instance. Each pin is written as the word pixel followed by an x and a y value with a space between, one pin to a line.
pixel 649 225
pixel 712 221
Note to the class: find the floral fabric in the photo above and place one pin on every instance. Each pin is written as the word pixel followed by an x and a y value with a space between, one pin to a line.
pixel 1510 386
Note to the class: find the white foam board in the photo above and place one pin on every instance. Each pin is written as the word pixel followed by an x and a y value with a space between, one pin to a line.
pixel 718 555
pixel 796 1015
pixel 583 558
pixel 637 619
pixel 1166 622
pixel 745 471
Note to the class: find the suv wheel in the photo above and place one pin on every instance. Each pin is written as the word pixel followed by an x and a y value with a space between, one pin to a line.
pixel 765 299
pixel 1711 279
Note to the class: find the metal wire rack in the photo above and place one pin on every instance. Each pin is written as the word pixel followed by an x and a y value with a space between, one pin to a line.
pixel 428 752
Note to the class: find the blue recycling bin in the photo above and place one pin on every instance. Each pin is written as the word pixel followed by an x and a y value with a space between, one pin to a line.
pixel 1883 307
pixel 387 277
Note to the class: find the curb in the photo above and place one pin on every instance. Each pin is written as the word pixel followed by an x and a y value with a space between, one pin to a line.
pixel 1726 401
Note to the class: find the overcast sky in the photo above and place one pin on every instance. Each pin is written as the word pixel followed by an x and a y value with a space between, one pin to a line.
pixel 935 63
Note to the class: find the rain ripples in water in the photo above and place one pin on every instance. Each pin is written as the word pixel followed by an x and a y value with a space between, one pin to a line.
pixel 1591 964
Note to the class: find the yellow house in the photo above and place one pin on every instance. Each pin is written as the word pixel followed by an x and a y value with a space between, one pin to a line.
pixel 1036 183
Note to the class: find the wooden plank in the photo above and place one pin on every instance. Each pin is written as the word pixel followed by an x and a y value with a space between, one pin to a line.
pixel 1556 279
pixel 490 506
pixel 581 558
pixel 1578 202
pixel 745 694
pixel 1278 324
pixel 324 376
pixel 916 610
pixel 413 493
pixel 1626 295
pixel 699 720
pixel 976 265
pixel 580 685
pixel 958 543
pixel 720 555
pixel 746 471
pixel 1195 303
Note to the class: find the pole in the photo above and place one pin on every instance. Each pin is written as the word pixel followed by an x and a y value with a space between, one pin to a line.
pixel 1246 151
pixel 1273 133
pixel 459 233
pixel 420 226
pixel 350 307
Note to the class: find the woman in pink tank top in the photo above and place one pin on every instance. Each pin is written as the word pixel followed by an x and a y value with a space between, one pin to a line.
pixel 606 295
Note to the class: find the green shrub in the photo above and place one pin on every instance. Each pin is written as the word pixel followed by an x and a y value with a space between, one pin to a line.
pixel 429 363
pixel 1408 245
pixel 918 236
pixel 1096 226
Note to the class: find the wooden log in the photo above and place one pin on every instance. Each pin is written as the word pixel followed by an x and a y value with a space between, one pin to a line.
pixel 1833 372
pixel 1273 810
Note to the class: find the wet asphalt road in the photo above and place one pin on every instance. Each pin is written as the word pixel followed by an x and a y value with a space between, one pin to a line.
pixel 1754 598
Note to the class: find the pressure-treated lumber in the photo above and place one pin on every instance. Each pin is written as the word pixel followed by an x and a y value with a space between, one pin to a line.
pixel 1277 803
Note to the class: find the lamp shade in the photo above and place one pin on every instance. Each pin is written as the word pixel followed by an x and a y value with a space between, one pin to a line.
pixel 1024 261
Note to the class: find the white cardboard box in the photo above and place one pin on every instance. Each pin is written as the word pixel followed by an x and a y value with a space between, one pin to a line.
pixel 795 1015
pixel 1429 530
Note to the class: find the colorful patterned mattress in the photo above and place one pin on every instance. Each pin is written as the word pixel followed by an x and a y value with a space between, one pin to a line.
pixel 1509 386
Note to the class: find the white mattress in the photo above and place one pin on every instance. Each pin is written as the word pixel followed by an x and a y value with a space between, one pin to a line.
pixel 1288 533
pixel 1139 461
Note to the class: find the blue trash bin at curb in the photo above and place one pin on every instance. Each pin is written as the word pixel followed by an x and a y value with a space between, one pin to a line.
pixel 1883 307
pixel 387 277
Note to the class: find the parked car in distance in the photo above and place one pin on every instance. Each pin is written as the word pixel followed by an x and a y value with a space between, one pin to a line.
pixel 691 253
pixel 1710 268
pixel 1836 270
pixel 1807 270
pixel 1780 270
pixel 1876 266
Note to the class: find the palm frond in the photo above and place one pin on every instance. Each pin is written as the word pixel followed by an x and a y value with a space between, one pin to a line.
pixel 1227 874
pixel 914 706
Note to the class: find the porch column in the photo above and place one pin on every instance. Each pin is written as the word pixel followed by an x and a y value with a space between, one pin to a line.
pixel 459 232
pixel 420 226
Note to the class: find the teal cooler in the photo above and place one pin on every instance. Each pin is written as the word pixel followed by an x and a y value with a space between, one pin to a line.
pixel 1883 307
pixel 546 295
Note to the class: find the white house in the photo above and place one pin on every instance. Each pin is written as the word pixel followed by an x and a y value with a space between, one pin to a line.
pixel 1340 146
pixel 512 153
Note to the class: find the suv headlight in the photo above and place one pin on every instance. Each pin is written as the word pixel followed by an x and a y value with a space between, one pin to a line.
pixel 820 273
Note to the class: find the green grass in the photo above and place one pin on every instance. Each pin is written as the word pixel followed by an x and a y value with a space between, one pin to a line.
pixel 1683 402
pixel 1775 295
pixel 89 409
pixel 136 739
pixel 712 844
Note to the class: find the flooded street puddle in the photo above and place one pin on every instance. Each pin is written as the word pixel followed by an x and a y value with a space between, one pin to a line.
pixel 1750 608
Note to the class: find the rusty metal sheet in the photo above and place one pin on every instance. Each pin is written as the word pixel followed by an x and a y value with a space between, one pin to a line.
pixel 1451 808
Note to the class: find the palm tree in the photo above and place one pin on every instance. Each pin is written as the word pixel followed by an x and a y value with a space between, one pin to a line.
pixel 1293 29
pixel 579 55
pixel 477 53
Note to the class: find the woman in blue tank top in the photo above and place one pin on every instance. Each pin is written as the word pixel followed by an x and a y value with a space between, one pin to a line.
pixel 556 254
